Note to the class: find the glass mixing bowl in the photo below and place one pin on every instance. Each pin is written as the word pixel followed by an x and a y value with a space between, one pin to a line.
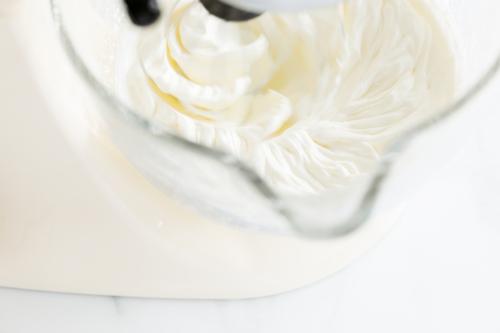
pixel 218 186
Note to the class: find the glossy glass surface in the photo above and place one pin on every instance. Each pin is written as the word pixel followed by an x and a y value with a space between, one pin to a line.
pixel 218 186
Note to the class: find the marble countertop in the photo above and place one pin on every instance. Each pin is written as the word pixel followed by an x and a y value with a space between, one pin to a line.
pixel 436 271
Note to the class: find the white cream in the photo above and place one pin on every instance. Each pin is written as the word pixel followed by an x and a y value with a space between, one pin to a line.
pixel 309 100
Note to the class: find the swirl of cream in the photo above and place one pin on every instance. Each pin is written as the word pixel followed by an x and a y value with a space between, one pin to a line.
pixel 310 100
pixel 203 78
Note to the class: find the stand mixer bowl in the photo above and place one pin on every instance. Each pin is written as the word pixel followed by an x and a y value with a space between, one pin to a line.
pixel 218 186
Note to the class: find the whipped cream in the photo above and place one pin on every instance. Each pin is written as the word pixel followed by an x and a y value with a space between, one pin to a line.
pixel 309 100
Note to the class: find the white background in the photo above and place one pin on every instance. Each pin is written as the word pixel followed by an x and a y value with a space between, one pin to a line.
pixel 438 270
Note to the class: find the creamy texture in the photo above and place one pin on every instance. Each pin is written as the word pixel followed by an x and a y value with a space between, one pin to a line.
pixel 309 100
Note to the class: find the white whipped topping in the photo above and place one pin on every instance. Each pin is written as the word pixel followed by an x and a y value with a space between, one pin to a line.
pixel 309 100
